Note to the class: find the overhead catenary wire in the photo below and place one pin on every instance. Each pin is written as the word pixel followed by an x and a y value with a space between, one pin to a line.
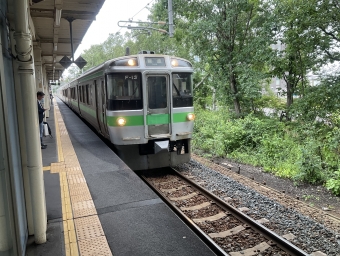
pixel 138 13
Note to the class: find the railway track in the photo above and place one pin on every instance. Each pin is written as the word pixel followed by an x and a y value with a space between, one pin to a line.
pixel 226 229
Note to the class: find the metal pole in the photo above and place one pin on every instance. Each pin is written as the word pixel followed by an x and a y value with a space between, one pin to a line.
pixel 171 19
pixel 70 20
pixel 29 102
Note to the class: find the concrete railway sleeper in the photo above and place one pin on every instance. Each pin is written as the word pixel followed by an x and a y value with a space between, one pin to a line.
pixel 226 229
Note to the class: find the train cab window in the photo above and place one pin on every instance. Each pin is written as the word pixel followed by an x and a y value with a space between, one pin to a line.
pixel 124 91
pixel 182 90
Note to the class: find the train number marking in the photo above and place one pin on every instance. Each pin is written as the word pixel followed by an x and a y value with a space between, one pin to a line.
pixel 134 77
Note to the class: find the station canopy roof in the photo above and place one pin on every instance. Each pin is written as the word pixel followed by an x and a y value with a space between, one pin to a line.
pixel 52 29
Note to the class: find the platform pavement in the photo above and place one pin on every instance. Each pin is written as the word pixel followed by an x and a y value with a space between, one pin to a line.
pixel 133 220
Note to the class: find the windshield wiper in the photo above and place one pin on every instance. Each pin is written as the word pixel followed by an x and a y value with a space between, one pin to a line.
pixel 133 94
pixel 178 93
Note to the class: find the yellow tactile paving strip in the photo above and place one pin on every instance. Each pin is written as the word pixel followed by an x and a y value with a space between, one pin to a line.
pixel 46 168
pixel 83 232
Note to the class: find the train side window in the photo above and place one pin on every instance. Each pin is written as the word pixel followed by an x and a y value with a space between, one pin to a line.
pixel 182 90
pixel 90 94
pixel 87 94
pixel 80 94
pixel 84 93
pixel 103 93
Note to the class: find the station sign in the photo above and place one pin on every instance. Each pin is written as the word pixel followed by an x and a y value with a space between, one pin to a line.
pixel 65 62
pixel 80 62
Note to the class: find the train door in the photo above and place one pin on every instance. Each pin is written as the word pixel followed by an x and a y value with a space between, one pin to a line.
pixel 101 106
pixel 158 106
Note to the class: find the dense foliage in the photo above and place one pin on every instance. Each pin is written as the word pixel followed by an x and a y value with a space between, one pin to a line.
pixel 289 149
pixel 232 45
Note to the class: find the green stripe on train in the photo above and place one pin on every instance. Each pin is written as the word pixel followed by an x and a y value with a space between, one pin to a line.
pixel 87 110
pixel 130 120
pixel 158 119
pixel 151 119
pixel 180 117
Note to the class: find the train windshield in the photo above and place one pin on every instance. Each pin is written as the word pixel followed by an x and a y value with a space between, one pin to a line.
pixel 182 90
pixel 124 91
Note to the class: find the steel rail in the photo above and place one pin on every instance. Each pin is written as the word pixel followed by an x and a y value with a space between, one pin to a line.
pixel 203 236
pixel 278 240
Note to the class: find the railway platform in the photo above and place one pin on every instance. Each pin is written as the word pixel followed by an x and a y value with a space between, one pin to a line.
pixel 96 205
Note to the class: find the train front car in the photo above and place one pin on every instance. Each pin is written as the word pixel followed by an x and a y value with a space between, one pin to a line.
pixel 150 110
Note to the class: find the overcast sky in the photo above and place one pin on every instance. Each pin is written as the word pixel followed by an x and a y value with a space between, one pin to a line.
pixel 108 17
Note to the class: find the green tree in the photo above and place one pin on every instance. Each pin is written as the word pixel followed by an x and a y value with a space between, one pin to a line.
pixel 112 47
pixel 233 37
pixel 320 101
pixel 300 52
pixel 324 16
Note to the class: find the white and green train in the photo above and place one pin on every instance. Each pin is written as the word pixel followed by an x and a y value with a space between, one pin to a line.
pixel 142 103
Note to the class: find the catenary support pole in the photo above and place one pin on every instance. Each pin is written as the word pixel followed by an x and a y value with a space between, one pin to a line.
pixel 34 160
pixel 171 19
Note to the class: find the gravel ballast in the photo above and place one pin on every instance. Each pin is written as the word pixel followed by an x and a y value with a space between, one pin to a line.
pixel 309 235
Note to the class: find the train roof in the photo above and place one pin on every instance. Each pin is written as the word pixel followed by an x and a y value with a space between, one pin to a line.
pixel 107 64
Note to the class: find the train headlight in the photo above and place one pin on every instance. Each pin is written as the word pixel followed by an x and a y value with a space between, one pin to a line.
pixel 131 62
pixel 174 63
pixel 121 121
pixel 191 117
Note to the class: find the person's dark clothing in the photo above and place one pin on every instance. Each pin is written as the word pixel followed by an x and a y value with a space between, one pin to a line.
pixel 41 111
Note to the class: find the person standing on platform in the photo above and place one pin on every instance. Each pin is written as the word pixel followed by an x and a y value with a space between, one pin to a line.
pixel 41 110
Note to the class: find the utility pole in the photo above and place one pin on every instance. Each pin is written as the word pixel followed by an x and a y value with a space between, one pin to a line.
pixel 171 19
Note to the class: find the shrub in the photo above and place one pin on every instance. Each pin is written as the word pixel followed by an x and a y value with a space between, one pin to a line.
pixel 333 184
pixel 311 164
pixel 304 151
